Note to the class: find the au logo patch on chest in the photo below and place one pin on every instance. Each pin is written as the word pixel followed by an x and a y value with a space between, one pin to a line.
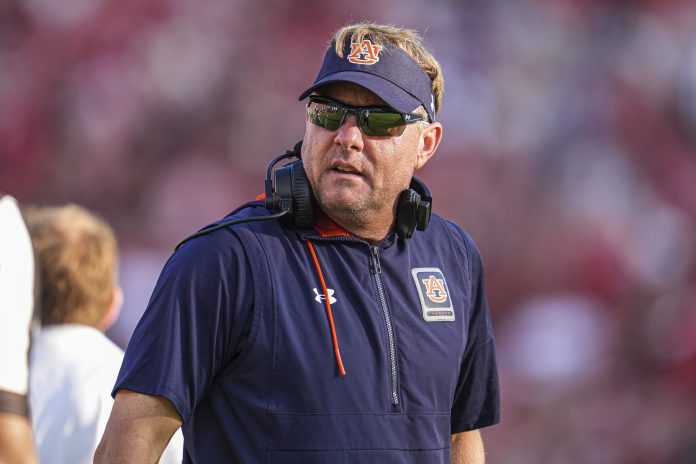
pixel 434 295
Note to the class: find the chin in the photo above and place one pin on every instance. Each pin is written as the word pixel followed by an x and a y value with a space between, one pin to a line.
pixel 341 202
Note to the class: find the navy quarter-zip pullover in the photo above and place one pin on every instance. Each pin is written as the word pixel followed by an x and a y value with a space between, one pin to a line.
pixel 236 335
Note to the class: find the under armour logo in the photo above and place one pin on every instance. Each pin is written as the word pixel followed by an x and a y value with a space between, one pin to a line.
pixel 364 52
pixel 321 297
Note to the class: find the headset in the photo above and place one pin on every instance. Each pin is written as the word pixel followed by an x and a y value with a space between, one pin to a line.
pixel 290 198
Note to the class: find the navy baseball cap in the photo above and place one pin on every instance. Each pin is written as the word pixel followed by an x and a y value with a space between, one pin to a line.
pixel 386 70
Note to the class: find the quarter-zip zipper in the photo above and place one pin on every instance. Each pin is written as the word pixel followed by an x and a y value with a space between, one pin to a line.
pixel 377 273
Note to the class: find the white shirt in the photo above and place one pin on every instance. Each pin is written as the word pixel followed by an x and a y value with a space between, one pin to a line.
pixel 16 297
pixel 73 369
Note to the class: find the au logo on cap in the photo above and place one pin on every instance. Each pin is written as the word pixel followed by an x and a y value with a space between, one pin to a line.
pixel 364 52
pixel 434 294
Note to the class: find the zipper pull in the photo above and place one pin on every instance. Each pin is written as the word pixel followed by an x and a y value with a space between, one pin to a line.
pixel 375 266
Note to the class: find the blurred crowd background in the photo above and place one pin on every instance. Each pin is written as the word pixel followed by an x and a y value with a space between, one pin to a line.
pixel 569 154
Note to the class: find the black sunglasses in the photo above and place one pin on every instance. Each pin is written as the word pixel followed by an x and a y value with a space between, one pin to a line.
pixel 373 121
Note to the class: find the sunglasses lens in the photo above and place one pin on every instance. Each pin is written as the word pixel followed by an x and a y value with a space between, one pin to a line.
pixel 326 116
pixel 383 124
pixel 325 113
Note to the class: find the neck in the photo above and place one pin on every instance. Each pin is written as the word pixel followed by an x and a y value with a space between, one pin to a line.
pixel 371 230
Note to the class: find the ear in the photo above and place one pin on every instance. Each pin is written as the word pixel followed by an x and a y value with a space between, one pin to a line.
pixel 427 145
pixel 114 309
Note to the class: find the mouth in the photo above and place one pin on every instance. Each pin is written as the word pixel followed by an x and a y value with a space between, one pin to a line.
pixel 345 169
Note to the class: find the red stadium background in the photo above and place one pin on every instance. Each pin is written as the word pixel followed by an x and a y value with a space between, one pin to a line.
pixel 569 154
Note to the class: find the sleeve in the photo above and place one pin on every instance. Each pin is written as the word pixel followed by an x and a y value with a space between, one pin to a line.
pixel 194 324
pixel 477 396
pixel 16 307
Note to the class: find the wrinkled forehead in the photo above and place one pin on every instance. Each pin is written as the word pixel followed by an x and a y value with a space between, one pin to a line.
pixel 350 94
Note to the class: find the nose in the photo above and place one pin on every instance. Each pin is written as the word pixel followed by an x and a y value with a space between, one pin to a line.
pixel 349 136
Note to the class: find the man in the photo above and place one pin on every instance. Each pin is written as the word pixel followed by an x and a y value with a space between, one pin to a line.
pixel 331 336
pixel 16 310
pixel 73 365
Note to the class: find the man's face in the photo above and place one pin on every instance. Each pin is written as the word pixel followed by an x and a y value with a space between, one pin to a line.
pixel 357 178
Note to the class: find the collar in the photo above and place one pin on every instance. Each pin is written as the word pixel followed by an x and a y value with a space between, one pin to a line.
pixel 326 227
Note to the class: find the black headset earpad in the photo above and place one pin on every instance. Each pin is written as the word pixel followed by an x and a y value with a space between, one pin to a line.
pixel 424 210
pixel 407 213
pixel 302 197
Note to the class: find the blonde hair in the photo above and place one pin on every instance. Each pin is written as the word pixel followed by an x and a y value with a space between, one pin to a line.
pixel 406 39
pixel 76 255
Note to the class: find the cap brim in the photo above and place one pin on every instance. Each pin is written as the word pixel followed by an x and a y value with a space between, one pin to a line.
pixel 392 94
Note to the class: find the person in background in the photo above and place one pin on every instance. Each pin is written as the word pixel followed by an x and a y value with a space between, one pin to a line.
pixel 73 364
pixel 16 312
